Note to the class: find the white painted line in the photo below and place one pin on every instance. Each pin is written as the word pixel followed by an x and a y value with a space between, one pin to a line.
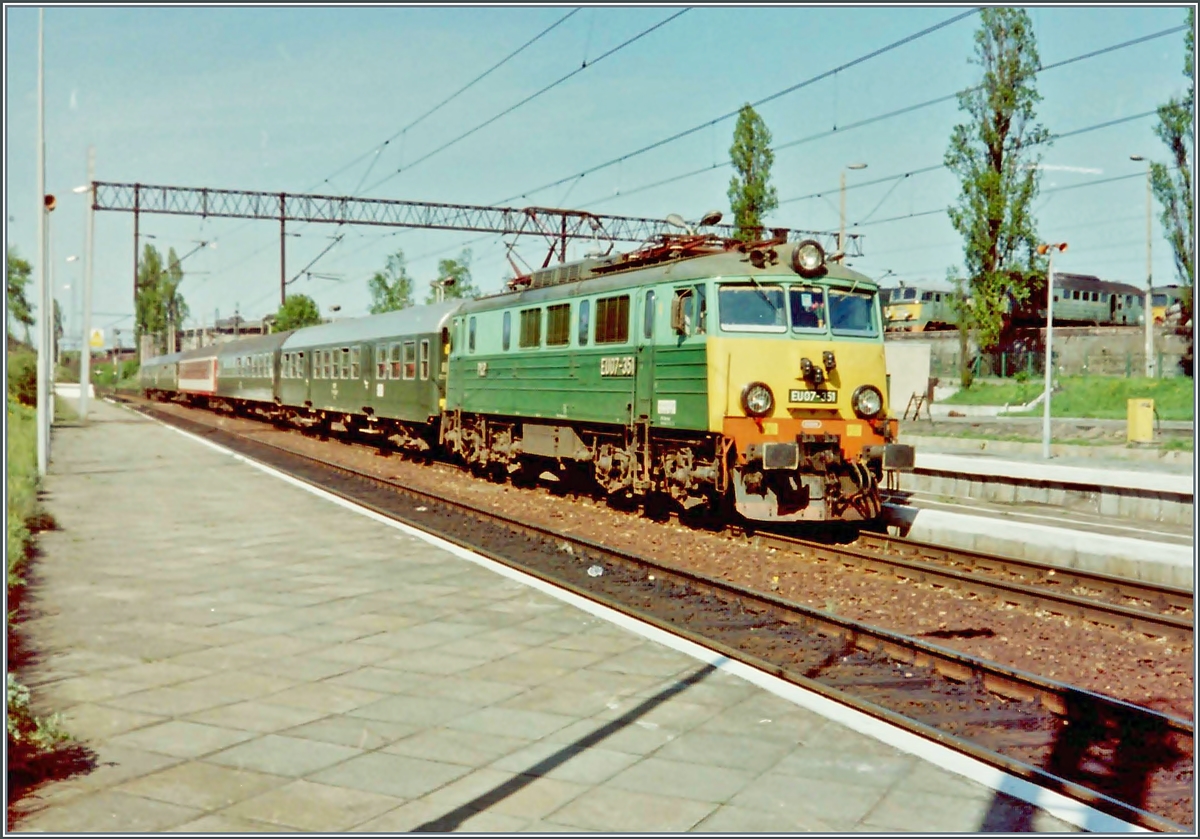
pixel 931 498
pixel 1054 803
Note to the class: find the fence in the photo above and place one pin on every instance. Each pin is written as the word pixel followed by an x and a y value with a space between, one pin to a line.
pixel 1019 364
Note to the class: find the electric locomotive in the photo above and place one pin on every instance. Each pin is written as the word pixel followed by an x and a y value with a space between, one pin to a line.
pixel 697 368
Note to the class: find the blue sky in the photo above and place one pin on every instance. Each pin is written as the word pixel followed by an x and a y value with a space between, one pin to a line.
pixel 279 99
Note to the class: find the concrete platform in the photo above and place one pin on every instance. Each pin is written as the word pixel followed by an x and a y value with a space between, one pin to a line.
pixel 245 655
pixel 1108 489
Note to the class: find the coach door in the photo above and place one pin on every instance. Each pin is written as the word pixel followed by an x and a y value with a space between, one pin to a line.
pixel 645 325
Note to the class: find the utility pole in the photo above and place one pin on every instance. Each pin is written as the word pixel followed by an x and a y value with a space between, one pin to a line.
pixel 85 351
pixel 1051 250
pixel 841 242
pixel 44 412
pixel 1148 315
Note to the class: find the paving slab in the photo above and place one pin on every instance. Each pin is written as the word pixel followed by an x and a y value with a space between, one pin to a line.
pixel 244 656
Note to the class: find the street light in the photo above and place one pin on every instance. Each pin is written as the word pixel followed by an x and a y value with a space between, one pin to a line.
pixel 842 229
pixel 1043 250
pixel 85 349
pixel 440 286
pixel 1148 316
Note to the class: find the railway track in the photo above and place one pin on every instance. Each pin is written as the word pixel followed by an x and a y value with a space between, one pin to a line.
pixel 1132 762
pixel 1115 602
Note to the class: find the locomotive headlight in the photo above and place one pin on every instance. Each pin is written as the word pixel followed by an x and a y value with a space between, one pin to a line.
pixel 808 259
pixel 757 399
pixel 867 401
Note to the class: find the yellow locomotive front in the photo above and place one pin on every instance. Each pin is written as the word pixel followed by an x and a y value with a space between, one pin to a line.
pixel 797 387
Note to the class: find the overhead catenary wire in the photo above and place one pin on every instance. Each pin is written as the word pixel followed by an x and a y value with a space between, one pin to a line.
pixel 526 100
pixel 687 132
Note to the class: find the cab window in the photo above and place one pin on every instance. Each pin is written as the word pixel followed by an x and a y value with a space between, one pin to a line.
pixel 752 307
pixel 808 308
pixel 852 313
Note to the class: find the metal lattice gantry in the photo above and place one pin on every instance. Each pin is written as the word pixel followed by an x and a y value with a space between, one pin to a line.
pixel 556 226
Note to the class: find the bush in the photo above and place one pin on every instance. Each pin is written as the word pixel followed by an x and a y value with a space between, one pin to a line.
pixel 22 378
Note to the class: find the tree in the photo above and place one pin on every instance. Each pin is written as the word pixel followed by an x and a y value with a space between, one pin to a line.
pixel 17 276
pixel 1172 184
pixel 751 195
pixel 160 307
pixel 298 310
pixel 993 155
pixel 391 288
pixel 460 270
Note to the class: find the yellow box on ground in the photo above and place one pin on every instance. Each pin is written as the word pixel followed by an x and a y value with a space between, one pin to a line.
pixel 1140 422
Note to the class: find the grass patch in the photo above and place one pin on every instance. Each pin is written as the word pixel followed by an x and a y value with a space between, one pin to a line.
pixel 1090 397
pixel 38 749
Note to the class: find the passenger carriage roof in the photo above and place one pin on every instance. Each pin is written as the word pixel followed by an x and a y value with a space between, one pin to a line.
pixel 257 344
pixel 415 320
pixel 162 359
pixel 1088 282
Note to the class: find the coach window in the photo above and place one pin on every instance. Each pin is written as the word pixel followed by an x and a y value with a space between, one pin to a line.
pixel 299 365
pixel 558 325
pixel 410 359
pixel 329 369
pixel 355 369
pixel 612 320
pixel 424 359
pixel 506 336
pixel 381 361
pixel 584 321
pixel 346 363
pixel 531 328
pixel 394 371
pixel 471 335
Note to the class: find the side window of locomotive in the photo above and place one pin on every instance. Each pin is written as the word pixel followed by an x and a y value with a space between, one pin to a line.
pixel 558 325
pixel 808 308
pixel 410 359
pixel 531 328
pixel 648 316
pixel 585 321
pixel 853 313
pixel 424 359
pixel 394 371
pixel 701 311
pixel 683 313
pixel 507 336
pixel 471 336
pixel 355 368
pixel 612 320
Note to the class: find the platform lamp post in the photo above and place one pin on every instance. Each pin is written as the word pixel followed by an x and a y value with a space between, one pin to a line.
pixel 1148 315
pixel 841 243
pixel 85 350
pixel 440 286
pixel 1044 250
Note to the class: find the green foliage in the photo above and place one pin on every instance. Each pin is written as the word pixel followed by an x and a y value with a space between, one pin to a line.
pixel 21 470
pixel 22 378
pixel 1091 397
pixel 460 270
pixel 159 304
pixel 298 310
pixel 17 276
pixel 1172 183
pixel 391 288
pixel 751 195
pixel 992 154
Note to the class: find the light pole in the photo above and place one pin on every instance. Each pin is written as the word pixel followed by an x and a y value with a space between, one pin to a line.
pixel 44 413
pixel 1043 250
pixel 439 288
pixel 85 350
pixel 842 228
pixel 1148 316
